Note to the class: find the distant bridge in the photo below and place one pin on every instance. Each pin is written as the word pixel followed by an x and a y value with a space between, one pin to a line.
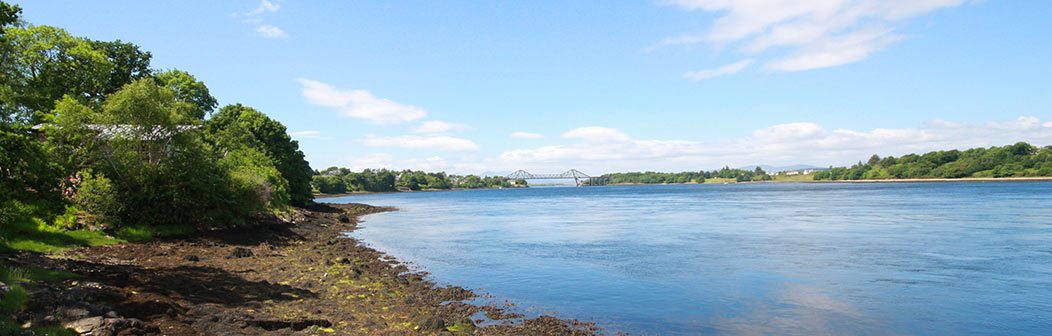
pixel 574 174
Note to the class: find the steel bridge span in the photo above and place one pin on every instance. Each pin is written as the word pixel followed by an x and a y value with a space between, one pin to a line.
pixel 574 174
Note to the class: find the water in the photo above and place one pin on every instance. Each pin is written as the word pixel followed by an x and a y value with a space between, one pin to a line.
pixel 916 258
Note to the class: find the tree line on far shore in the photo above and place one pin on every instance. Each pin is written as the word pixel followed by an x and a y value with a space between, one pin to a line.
pixel 726 173
pixel 335 180
pixel 94 138
pixel 1018 160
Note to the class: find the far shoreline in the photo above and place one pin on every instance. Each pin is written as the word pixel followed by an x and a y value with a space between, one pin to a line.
pixel 918 180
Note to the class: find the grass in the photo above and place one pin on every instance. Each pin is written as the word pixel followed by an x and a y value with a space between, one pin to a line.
pixel 140 233
pixel 720 180
pixel 794 178
pixel 16 297
pixel 34 236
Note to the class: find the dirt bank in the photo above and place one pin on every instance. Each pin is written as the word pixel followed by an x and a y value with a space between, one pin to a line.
pixel 299 276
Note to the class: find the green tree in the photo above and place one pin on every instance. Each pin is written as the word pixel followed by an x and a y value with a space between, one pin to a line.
pixel 128 61
pixel 44 63
pixel 188 89
pixel 236 126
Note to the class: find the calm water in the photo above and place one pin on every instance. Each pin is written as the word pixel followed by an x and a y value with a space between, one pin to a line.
pixel 917 258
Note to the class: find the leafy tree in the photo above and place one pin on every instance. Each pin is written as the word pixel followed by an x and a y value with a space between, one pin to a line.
pixel 237 126
pixel 188 89
pixel 45 63
pixel 128 61
pixel 144 140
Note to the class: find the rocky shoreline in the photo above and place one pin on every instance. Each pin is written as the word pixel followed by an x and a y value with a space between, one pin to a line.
pixel 295 276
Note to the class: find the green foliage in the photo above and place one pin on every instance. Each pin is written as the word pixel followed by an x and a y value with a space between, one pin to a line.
pixel 17 297
pixel 189 90
pixel 257 184
pixel 97 196
pixel 128 63
pixel 726 174
pixel 9 14
pixel 1018 160
pixel 45 63
pixel 335 180
pixel 27 171
pixel 237 126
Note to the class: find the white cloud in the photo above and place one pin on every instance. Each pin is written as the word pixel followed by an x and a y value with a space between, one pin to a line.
pixel 370 161
pixel 438 142
pixel 359 103
pixel 264 7
pixel 436 126
pixel 306 134
pixel 723 70
pixel 793 143
pixel 526 135
pixel 255 16
pixel 269 31
pixel 820 33
pixel 597 134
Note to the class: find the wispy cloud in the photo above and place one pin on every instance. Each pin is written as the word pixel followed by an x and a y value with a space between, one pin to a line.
pixel 792 143
pixel 269 31
pixel 723 70
pixel 436 142
pixel 264 7
pixel 526 135
pixel 437 126
pixel 359 103
pixel 255 17
pixel 818 34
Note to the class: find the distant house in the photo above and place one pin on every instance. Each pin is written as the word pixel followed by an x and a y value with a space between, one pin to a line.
pixel 793 172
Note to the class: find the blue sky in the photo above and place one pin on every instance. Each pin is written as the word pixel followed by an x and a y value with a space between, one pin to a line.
pixel 605 86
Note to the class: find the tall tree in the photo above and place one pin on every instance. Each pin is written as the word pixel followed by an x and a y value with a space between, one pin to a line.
pixel 45 63
pixel 237 125
pixel 129 63
pixel 188 89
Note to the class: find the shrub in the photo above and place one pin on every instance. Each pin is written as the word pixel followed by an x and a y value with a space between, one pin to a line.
pixel 97 197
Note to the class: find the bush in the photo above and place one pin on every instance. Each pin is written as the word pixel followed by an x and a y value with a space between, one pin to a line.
pixel 255 181
pixel 98 199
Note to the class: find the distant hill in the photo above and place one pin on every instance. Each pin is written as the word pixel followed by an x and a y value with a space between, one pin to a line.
pixel 771 169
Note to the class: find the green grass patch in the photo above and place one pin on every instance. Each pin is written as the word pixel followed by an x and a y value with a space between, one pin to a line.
pixel 794 178
pixel 140 233
pixel 720 180
pixel 37 236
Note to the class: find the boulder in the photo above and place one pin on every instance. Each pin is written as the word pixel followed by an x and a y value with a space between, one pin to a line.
pixel 194 258
pixel 85 325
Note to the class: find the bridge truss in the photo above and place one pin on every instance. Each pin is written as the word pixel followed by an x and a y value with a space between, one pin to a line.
pixel 574 174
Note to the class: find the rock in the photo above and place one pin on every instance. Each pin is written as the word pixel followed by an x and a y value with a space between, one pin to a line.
pixel 344 219
pixel 343 260
pixel 194 258
pixel 466 323
pixel 115 325
pixel 75 313
pixel 242 252
pixel 112 314
pixel 433 323
pixel 85 325
pixel 4 288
